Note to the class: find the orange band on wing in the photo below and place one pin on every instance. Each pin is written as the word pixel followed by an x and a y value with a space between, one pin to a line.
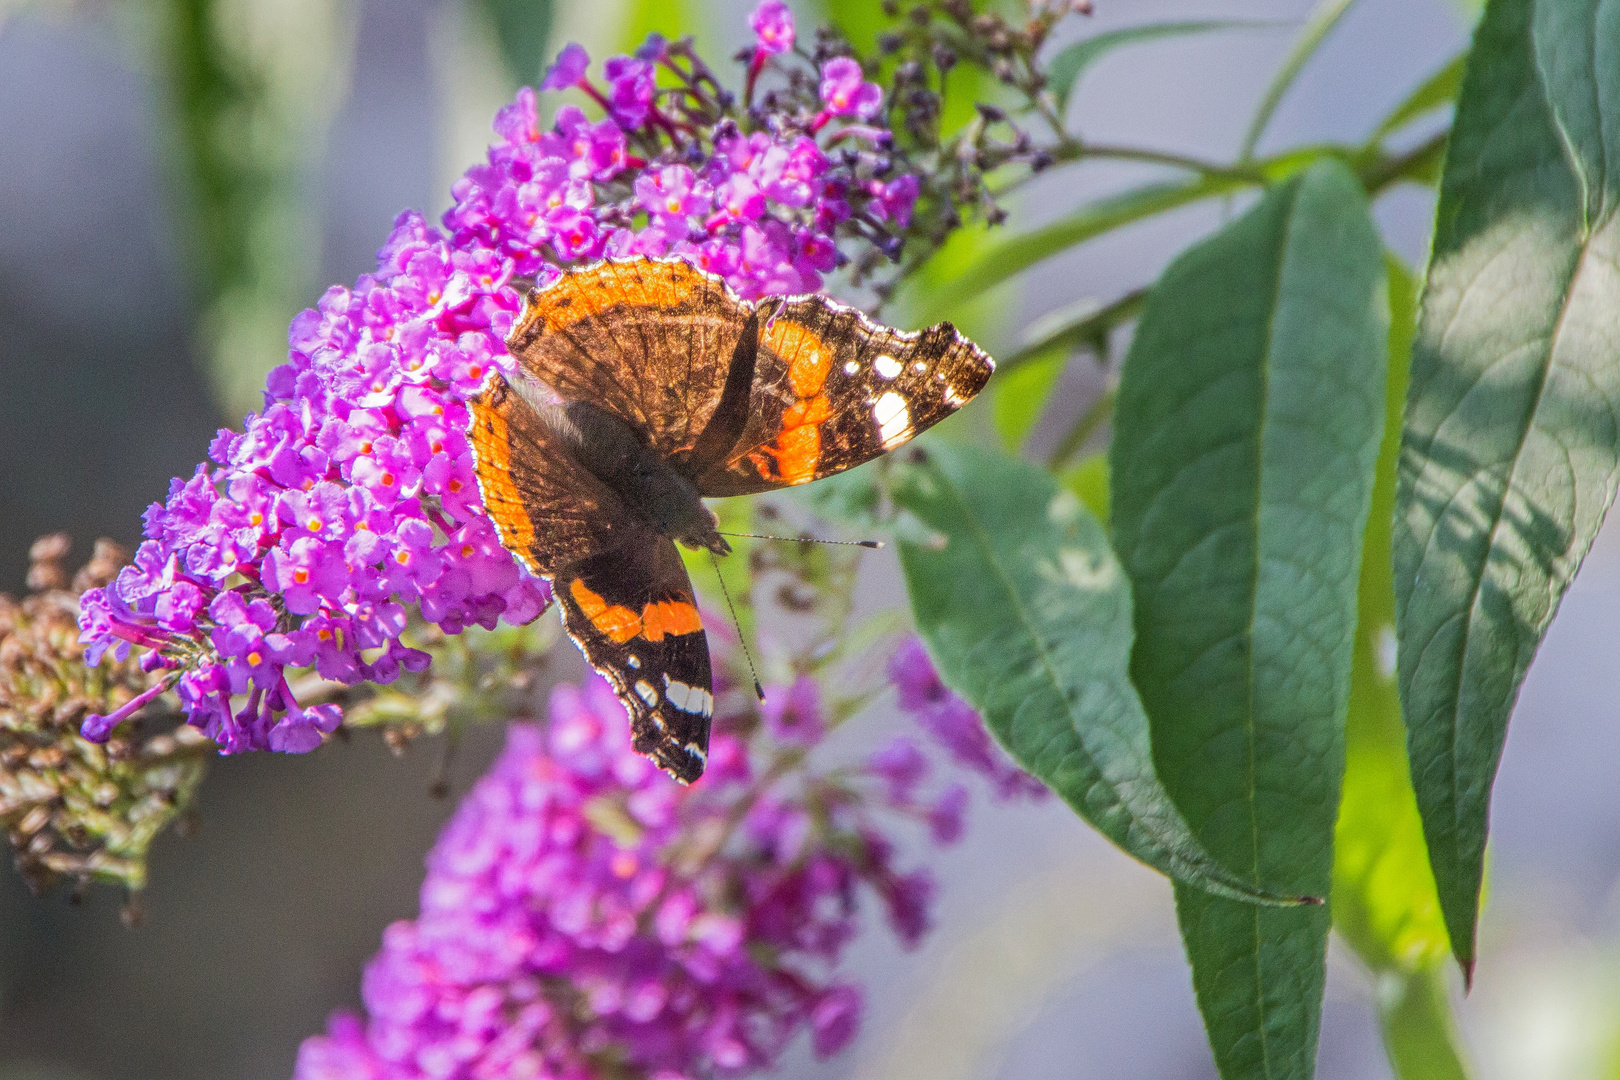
pixel 797 449
pixel 673 617
pixel 809 360
pixel 619 623
pixel 492 463
pixel 588 292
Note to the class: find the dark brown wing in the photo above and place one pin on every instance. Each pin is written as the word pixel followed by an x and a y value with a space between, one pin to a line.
pixel 833 389
pixel 633 615
pixel 548 509
pixel 650 340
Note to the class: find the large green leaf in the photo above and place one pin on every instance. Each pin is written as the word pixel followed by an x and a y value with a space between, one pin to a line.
pixel 1245 438
pixel 1028 616
pixel 1508 458
pixel 1384 900
pixel 1065 68
pixel 1008 257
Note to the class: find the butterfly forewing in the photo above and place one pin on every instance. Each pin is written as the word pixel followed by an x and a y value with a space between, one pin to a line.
pixel 649 340
pixel 833 389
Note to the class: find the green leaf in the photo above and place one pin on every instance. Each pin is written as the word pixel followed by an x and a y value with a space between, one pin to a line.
pixel 1384 900
pixel 1419 1032
pixel 522 32
pixel 1323 18
pixel 854 497
pixel 1020 395
pixel 246 93
pixel 1508 457
pixel 1064 70
pixel 1009 257
pixel 1028 616
pixel 1437 91
pixel 1245 439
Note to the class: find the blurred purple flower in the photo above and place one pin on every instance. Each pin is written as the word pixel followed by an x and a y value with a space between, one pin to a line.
pixel 583 913
pixel 954 724
pixel 793 713
pixel 846 92
pixel 567 71
pixel 772 24
pixel 631 90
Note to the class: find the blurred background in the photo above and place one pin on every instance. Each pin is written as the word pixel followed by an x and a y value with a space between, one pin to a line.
pixel 179 177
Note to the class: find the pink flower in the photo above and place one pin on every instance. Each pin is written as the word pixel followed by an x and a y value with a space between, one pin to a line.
pixel 568 70
pixel 672 192
pixel 352 494
pixel 556 935
pixel 846 92
pixel 772 24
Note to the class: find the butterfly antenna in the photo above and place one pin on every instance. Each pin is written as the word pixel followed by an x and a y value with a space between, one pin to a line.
pixel 808 540
pixel 759 691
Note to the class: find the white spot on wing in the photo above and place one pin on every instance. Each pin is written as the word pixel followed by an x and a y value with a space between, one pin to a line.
pixel 647 693
pixel 634 662
pixel 692 699
pixel 697 751
pixel 893 419
pixel 886 366
pixel 953 398
pixel 851 367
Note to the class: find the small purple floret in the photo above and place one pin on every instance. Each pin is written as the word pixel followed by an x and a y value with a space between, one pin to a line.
pixel 772 24
pixel 567 71
pixel 846 92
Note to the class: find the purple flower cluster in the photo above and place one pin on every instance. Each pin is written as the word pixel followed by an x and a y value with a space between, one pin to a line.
pixel 584 915
pixel 762 210
pixel 954 726
pixel 350 499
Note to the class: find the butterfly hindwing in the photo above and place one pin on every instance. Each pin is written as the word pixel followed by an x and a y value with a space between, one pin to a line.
pixel 650 340
pixel 633 615
pixel 547 508
pixel 832 389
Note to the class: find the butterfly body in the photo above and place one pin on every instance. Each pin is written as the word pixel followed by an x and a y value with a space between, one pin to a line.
pixel 646 385
pixel 649 485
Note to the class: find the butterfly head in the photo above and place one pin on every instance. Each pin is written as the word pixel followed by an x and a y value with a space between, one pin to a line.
pixel 702 532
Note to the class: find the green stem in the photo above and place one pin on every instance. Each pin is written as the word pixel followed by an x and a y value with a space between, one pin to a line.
pixel 1419 1033
pixel 1101 410
pixel 1421 160
pixel 1074 150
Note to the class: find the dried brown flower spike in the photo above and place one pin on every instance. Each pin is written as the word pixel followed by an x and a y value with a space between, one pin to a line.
pixel 73 810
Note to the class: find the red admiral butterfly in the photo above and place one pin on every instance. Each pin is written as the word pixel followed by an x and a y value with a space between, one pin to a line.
pixel 646 385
